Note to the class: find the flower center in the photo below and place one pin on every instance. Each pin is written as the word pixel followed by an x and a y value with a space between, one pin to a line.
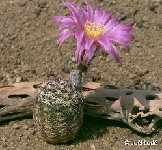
pixel 93 31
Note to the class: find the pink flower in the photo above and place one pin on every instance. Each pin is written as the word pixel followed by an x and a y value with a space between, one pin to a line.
pixel 93 29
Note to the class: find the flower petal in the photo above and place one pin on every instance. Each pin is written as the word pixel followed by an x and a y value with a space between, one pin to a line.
pixel 121 35
pixel 61 18
pixel 111 24
pixel 58 18
pixel 89 54
pixel 66 24
pixel 126 27
pixel 97 16
pixel 90 16
pixel 89 43
pixel 80 46
pixel 75 12
pixel 105 17
pixel 64 35
pixel 110 48
pixel 83 13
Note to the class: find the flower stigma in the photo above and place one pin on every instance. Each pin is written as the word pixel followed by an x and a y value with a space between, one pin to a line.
pixel 93 31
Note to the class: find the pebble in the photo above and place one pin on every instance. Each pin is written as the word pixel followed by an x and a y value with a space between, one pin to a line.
pixel 153 7
pixel 145 71
pixel 25 127
pixel 160 46
pixel 23 3
pixel 10 81
pixel 160 25
pixel 18 62
pixel 66 69
pixel 92 147
pixel 25 144
pixel 138 44
pixel 152 56
pixel 13 37
pixel 132 76
pixel 94 69
pixel 122 17
pixel 1 37
pixel 37 11
pixel 18 79
pixel 50 75
pixel 24 79
pixel 33 71
pixel 4 139
pixel 16 126
pixel 139 24
pixel 96 77
pixel 1 77
pixel 73 59
pixel 32 131
pixel 4 145
pixel 41 3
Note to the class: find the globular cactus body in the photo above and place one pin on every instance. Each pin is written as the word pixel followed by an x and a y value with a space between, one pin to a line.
pixel 59 111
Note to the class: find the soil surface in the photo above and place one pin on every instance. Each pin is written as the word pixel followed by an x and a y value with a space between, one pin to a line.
pixel 28 52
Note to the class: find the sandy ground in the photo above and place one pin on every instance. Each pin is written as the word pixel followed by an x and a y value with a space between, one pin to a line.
pixel 28 52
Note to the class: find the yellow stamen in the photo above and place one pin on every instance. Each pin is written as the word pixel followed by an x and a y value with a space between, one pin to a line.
pixel 93 31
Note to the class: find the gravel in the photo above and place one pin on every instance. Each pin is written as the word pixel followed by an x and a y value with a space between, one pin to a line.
pixel 28 52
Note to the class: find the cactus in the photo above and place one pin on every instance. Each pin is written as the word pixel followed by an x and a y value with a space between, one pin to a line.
pixel 59 109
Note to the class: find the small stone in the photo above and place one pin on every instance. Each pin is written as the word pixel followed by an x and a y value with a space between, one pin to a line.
pixel 96 77
pixel 160 46
pixel 122 17
pixel 24 79
pixel 1 77
pixel 94 69
pixel 100 57
pixel 7 75
pixel 25 144
pixel 32 131
pixel 152 7
pixel 1 38
pixel 4 139
pixel 33 71
pixel 16 126
pixel 13 37
pixel 132 76
pixel 18 79
pixel 13 15
pixel 23 3
pixel 50 75
pixel 145 71
pixel 93 147
pixel 160 25
pixel 41 3
pixel 37 11
pixel 139 24
pixel 10 81
pixel 138 44
pixel 137 81
pixel 4 145
pixel 151 45
pixel 25 127
pixel 18 62
pixel 152 56
pixel 73 59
